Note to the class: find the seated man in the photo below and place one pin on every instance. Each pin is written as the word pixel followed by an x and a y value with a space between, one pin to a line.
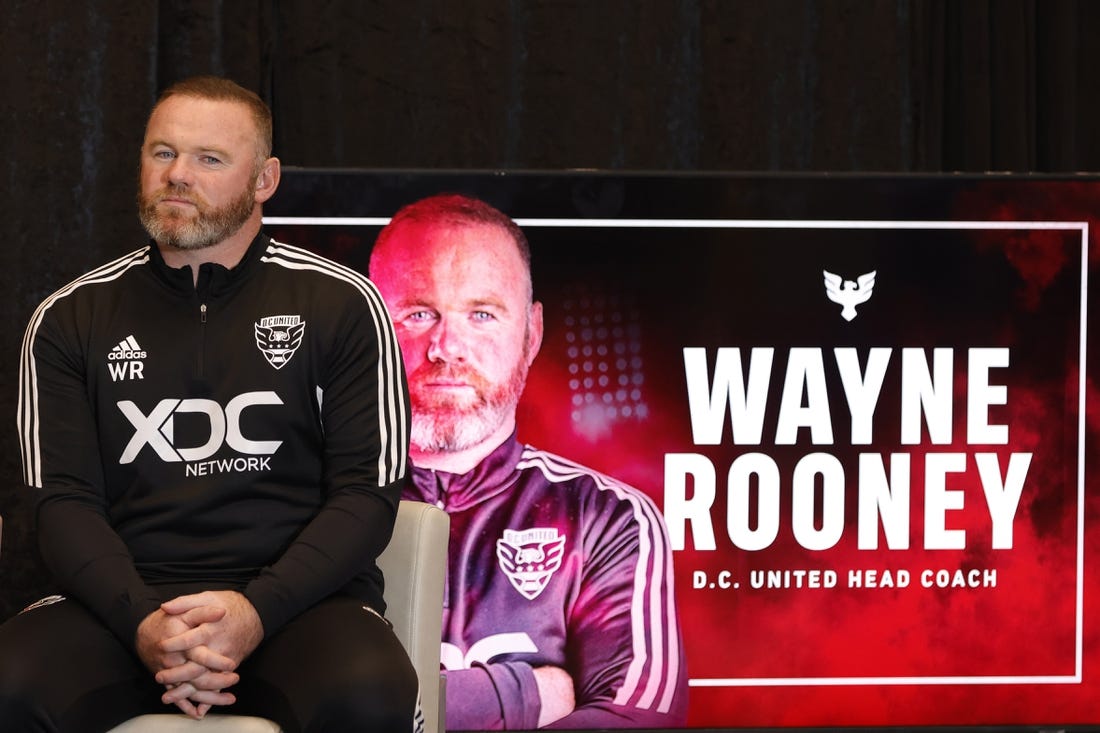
pixel 215 429
pixel 560 606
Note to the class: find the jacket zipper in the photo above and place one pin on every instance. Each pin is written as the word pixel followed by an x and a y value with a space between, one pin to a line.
pixel 202 339
pixel 441 502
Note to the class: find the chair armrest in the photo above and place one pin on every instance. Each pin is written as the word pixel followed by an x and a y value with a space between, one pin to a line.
pixel 415 566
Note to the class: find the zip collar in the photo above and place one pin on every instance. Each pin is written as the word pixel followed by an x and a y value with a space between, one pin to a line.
pixel 457 491
pixel 214 279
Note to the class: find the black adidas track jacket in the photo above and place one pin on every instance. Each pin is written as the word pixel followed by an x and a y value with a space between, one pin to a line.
pixel 248 433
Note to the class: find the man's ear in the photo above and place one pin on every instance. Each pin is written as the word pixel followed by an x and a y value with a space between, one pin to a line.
pixel 534 332
pixel 268 179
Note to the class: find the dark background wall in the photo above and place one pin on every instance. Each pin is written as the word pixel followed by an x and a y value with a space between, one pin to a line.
pixel 782 85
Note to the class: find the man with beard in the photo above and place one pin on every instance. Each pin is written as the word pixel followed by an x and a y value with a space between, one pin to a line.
pixel 215 428
pixel 559 606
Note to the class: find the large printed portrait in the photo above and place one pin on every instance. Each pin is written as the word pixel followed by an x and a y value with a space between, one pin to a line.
pixel 862 408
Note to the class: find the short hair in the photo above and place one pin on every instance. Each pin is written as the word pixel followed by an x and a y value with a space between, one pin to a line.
pixel 458 209
pixel 219 89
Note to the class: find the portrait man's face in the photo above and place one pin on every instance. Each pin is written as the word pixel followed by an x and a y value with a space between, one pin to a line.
pixel 460 300
pixel 198 171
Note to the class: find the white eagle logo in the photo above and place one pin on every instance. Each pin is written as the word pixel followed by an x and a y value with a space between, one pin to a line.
pixel 848 293
pixel 529 557
pixel 278 337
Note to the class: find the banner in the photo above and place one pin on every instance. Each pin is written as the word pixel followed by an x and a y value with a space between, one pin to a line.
pixel 861 404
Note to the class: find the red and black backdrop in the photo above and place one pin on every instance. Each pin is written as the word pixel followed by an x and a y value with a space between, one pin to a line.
pixel 901 86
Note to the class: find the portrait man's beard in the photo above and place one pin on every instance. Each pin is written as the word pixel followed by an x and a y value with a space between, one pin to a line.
pixel 206 227
pixel 446 424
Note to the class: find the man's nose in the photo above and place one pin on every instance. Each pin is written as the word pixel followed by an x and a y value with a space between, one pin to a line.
pixel 446 343
pixel 179 172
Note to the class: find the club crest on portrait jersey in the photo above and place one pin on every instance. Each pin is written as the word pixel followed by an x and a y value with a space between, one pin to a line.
pixel 278 337
pixel 529 557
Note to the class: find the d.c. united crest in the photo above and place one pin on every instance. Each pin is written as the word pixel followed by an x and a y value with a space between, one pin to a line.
pixel 529 557
pixel 278 337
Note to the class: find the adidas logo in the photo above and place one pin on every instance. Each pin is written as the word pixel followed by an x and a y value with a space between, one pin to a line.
pixel 124 360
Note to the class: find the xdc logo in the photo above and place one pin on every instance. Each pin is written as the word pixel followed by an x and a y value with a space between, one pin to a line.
pixel 157 429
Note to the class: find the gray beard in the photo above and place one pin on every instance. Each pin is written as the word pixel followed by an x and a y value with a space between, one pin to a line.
pixel 207 228
pixel 449 428
pixel 451 431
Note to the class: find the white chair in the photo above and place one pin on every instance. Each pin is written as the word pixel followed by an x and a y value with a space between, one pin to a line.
pixel 414 563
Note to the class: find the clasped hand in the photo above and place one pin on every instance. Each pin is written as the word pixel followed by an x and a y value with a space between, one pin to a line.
pixel 193 644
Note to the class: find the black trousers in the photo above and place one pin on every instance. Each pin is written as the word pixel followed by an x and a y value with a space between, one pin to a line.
pixel 336 667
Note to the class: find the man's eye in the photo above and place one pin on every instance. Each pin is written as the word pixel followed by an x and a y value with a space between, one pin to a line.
pixel 210 160
pixel 482 316
pixel 420 316
pixel 163 154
